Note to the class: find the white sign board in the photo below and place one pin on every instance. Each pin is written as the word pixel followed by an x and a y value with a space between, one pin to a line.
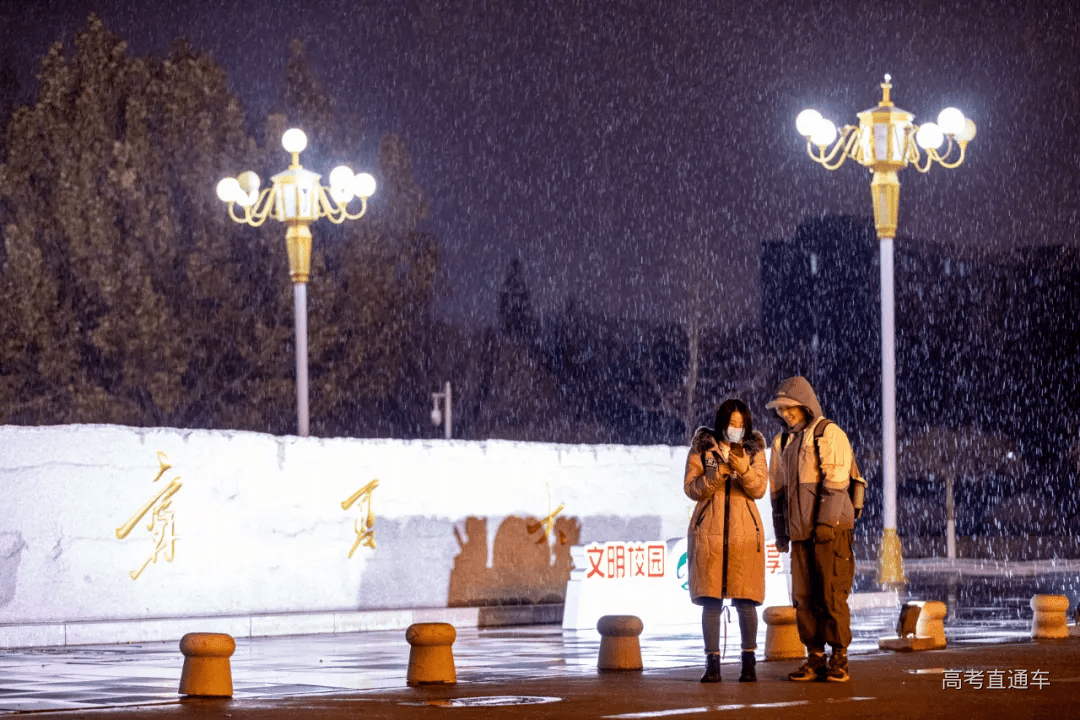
pixel 649 580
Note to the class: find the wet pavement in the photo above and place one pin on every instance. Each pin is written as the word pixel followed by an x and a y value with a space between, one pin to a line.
pixel 544 672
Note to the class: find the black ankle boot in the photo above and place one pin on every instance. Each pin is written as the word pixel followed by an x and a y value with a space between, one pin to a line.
pixel 712 668
pixel 748 674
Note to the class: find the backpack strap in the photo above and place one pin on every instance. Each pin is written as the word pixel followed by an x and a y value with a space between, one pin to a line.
pixel 856 486
pixel 819 430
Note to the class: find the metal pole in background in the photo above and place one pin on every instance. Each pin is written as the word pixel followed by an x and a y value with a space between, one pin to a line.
pixel 950 519
pixel 300 313
pixel 448 399
pixel 891 569
pixel 447 413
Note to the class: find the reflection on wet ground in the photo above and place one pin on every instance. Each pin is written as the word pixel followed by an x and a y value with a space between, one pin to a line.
pixel 986 601
pixel 986 604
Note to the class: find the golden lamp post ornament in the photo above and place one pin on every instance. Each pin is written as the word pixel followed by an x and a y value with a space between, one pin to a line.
pixel 886 141
pixel 297 199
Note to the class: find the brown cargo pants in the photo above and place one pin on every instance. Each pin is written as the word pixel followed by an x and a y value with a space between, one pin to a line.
pixel 821 577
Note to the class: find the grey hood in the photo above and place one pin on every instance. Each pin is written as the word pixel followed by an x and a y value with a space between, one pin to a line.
pixel 797 391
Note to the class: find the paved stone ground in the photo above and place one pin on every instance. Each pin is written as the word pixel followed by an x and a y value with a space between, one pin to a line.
pixel 98 676
pixel 363 674
pixel 1029 679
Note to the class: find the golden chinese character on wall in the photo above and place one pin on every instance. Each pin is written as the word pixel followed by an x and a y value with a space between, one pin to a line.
pixel 365 532
pixel 162 523
pixel 548 523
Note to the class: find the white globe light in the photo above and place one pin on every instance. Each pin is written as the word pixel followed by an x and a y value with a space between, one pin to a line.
pixel 929 136
pixel 248 183
pixel 824 133
pixel 341 176
pixel 229 190
pixel 968 133
pixel 341 184
pixel 951 121
pixel 807 122
pixel 341 193
pixel 294 140
pixel 363 185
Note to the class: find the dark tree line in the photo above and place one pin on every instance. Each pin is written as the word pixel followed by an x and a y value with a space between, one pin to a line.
pixel 132 298
pixel 577 376
pixel 129 295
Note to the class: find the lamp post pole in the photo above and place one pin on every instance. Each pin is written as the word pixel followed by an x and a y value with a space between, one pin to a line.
pixel 300 322
pixel 891 557
pixel 298 246
pixel 438 416
pixel 886 141
pixel 296 199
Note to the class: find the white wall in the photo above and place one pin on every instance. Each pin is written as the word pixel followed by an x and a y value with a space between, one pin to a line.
pixel 259 523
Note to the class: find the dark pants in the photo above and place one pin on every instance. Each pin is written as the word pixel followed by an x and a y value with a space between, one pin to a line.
pixel 821 576
pixel 711 610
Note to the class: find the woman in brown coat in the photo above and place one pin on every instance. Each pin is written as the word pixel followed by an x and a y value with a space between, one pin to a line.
pixel 725 473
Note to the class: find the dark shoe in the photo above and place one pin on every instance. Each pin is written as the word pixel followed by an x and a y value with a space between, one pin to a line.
pixel 837 671
pixel 748 662
pixel 811 670
pixel 712 668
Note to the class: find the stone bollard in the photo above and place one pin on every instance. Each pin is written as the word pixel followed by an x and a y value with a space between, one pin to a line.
pixel 1049 620
pixel 782 634
pixel 932 623
pixel 206 672
pixel 431 658
pixel 929 630
pixel 619 646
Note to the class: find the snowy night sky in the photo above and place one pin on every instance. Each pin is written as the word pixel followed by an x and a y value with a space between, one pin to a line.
pixel 612 145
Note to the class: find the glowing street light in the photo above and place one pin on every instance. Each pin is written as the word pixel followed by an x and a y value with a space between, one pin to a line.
pixel 297 199
pixel 886 141
pixel 437 415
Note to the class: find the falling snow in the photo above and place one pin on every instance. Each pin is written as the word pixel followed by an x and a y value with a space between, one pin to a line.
pixel 621 227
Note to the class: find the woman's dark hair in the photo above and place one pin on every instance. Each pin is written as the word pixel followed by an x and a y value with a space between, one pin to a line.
pixel 724 413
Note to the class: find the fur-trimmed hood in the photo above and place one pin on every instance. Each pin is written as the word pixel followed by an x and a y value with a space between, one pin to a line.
pixel 704 440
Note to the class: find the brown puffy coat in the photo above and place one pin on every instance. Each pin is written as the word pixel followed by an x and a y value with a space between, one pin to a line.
pixel 725 541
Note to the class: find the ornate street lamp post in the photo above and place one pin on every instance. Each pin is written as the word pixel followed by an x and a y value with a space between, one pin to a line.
pixel 886 141
pixel 297 199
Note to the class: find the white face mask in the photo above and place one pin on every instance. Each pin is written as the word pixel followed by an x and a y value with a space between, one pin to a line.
pixel 734 434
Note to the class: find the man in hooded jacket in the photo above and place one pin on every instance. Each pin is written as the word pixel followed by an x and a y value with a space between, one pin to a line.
pixel 813 514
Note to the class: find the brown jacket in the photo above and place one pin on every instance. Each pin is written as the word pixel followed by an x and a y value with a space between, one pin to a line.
pixel 725 542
